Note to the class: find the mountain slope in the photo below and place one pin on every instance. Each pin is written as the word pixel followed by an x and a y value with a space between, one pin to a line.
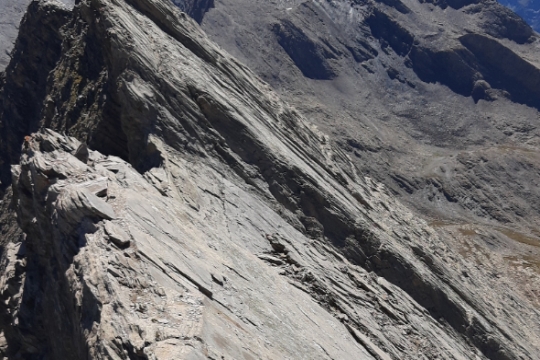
pixel 408 87
pixel 209 218
pixel 437 100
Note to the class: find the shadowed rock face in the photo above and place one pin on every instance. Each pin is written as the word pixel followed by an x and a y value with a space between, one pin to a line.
pixel 195 8
pixel 312 58
pixel 505 69
pixel 171 206
pixel 11 13
pixel 483 59
pixel 24 89
pixel 390 33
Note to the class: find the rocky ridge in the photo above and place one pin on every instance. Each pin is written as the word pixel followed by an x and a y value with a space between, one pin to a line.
pixel 189 213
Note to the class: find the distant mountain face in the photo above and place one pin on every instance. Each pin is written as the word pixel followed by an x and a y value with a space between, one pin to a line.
pixel 529 10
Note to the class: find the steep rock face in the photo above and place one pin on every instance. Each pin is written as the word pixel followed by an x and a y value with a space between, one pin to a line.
pixel 506 69
pixel 215 206
pixel 24 87
pixel 11 14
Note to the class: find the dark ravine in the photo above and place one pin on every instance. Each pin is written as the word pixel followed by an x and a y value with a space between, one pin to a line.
pixel 165 195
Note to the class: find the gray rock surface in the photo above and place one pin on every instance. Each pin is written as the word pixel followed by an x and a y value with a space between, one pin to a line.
pixel 181 210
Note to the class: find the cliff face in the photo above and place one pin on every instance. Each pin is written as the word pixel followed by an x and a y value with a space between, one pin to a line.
pixel 11 13
pixel 170 205
pixel 37 51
